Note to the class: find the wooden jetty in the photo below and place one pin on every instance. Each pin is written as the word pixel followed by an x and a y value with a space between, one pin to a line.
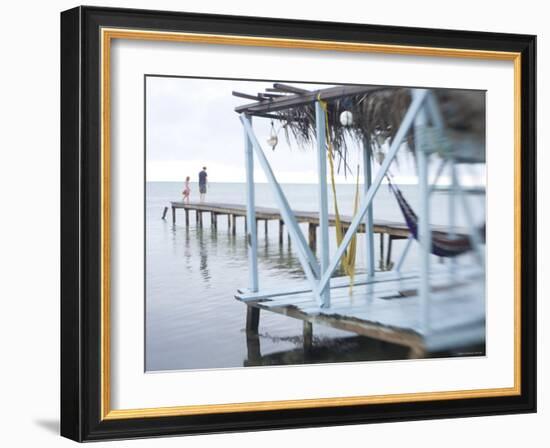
pixel 387 230
pixel 387 308
pixel 393 230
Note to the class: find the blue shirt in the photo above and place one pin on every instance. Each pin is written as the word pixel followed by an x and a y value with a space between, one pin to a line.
pixel 202 177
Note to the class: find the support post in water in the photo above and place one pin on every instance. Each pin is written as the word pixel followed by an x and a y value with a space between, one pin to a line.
pixel 186 217
pixel 251 236
pixel 369 219
pixel 252 319
pixel 308 335
pixel 424 231
pixel 320 121
pixel 389 263
pixel 381 263
pixel 173 215
pixel 312 236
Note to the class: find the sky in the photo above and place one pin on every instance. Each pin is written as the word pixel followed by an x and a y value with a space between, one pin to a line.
pixel 191 123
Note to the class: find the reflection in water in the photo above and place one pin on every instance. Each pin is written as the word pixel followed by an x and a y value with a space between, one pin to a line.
pixel 343 349
pixel 194 322
pixel 203 255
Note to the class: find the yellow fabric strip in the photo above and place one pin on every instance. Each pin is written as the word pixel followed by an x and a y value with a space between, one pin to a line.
pixel 349 257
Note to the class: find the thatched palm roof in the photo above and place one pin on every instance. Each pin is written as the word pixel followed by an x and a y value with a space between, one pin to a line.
pixel 377 114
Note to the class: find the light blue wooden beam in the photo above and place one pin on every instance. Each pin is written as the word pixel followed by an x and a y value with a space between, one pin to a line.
pixel 251 236
pixel 369 219
pixel 324 250
pixel 438 173
pixel 404 254
pixel 305 256
pixel 424 230
pixel 406 124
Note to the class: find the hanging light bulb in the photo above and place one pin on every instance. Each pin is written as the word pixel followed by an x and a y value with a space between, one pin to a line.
pixel 273 139
pixel 346 118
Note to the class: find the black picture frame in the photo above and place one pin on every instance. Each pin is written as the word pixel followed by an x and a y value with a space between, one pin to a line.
pixel 81 224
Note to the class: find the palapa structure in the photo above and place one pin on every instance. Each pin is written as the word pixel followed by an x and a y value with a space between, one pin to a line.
pixel 447 122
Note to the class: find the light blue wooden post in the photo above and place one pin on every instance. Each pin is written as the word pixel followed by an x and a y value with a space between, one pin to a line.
pixel 424 231
pixel 323 201
pixel 251 235
pixel 454 184
pixel 369 220
pixel 452 209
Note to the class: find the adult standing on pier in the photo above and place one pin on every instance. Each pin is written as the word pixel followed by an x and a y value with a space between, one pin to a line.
pixel 202 183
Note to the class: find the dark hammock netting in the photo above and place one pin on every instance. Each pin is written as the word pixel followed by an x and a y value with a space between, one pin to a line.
pixel 443 245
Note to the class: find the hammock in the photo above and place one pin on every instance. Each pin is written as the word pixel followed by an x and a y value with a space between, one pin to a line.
pixel 443 245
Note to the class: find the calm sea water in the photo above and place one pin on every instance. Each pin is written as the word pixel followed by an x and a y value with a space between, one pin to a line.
pixel 192 274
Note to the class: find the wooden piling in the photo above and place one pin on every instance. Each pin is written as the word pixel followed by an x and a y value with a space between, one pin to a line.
pixel 186 217
pixel 312 232
pixel 173 215
pixel 253 347
pixel 234 224
pixel 388 254
pixel 164 212
pixel 308 335
pixel 281 224
pixel 266 226
pixel 381 262
pixel 200 219
pixel 252 319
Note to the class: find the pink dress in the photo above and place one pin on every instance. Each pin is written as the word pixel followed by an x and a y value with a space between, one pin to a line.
pixel 186 190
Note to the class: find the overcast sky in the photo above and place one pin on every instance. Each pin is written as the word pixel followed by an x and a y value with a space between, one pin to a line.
pixel 192 123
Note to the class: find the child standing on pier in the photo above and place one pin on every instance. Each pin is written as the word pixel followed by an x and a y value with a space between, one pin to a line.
pixel 186 190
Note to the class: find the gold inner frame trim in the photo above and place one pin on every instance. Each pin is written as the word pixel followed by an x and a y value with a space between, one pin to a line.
pixel 107 35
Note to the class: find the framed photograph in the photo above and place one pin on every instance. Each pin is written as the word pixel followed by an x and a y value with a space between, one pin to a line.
pixel 269 223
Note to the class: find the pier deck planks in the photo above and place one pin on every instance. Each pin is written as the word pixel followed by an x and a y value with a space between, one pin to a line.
pixel 392 228
pixel 377 310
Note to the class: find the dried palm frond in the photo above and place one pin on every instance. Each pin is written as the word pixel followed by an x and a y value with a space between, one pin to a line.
pixel 378 114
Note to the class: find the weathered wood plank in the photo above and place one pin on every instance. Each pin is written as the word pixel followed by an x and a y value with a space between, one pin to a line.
pixel 463 272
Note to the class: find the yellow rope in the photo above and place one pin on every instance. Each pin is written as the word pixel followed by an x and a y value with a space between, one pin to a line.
pixel 348 259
